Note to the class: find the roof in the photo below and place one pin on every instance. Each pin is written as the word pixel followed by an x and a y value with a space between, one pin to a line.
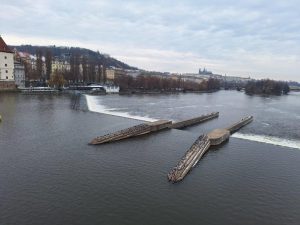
pixel 23 54
pixel 4 47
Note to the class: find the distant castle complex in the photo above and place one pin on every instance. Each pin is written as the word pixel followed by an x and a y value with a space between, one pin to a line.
pixel 205 72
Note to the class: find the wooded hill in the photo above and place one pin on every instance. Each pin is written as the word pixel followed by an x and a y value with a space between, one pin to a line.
pixel 67 52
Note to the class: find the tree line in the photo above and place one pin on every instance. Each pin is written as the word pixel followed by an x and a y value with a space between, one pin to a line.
pixel 157 83
pixel 269 87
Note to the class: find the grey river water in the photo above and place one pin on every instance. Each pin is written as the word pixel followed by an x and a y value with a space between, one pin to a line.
pixel 50 176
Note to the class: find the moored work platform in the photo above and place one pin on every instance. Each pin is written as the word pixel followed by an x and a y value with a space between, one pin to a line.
pixel 218 136
pixel 238 125
pixel 137 130
pixel 201 146
pixel 190 159
pixel 150 127
pixel 194 121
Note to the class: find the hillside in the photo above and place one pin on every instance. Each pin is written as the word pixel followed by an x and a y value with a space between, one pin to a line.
pixel 103 59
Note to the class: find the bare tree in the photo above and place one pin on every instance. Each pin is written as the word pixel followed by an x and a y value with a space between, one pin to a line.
pixel 48 62
pixel 92 71
pixel 104 74
pixel 100 72
pixel 75 72
pixel 84 63
pixel 39 65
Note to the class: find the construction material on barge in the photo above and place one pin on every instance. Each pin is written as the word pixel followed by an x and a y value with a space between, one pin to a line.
pixel 150 127
pixel 201 146
pixel 194 121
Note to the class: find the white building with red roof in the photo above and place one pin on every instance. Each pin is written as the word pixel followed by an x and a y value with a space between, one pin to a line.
pixel 6 62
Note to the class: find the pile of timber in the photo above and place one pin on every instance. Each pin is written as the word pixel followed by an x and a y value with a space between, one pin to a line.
pixel 190 159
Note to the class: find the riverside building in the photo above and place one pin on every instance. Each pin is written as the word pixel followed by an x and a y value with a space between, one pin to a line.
pixel 6 66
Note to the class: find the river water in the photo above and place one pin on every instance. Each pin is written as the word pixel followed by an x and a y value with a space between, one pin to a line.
pixel 49 175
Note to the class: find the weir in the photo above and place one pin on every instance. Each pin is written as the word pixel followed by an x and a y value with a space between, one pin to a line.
pixel 150 127
pixel 201 146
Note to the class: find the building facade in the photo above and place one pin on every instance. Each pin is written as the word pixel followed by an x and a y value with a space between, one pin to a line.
pixel 113 73
pixel 19 74
pixel 6 62
pixel 6 66
pixel 60 65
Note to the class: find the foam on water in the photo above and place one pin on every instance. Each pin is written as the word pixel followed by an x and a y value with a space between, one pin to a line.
pixel 94 106
pixel 269 140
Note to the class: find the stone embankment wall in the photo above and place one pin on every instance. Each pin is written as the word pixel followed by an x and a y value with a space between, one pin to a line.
pixel 7 85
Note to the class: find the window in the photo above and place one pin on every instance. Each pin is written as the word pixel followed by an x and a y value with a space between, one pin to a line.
pixel 5 57
pixel 6 65
pixel 6 71
pixel 6 77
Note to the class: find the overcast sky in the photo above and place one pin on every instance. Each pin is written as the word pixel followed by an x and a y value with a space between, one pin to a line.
pixel 247 38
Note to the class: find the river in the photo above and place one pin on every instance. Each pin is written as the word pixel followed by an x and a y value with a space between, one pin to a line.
pixel 49 175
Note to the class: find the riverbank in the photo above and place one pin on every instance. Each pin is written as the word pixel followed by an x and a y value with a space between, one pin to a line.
pixel 139 92
pixel 10 90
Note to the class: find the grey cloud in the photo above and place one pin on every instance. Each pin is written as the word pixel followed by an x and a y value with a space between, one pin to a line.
pixel 213 31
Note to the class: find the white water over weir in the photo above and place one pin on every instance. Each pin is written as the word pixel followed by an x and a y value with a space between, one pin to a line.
pixel 94 106
pixel 269 140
